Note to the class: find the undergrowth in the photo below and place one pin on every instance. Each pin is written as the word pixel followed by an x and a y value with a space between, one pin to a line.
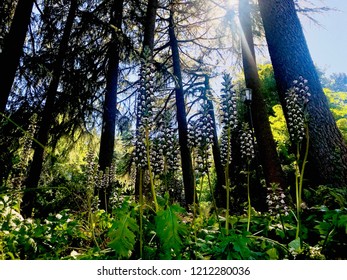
pixel 171 233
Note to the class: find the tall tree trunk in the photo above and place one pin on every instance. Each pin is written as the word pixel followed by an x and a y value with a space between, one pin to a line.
pixel 148 43
pixel 219 190
pixel 13 48
pixel 269 159
pixel 186 159
pixel 151 15
pixel 291 58
pixel 110 104
pixel 47 118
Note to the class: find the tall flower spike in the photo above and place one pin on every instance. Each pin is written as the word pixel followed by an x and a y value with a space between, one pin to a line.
pixel 200 132
pixel 145 104
pixel 247 143
pixel 157 156
pixel 200 136
pixel 146 94
pixel 296 99
pixel 229 117
pixel 169 145
pixel 228 103
pixel 140 152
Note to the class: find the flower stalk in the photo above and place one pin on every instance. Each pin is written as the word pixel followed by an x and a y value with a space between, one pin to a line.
pixel 296 100
pixel 229 123
pixel 247 152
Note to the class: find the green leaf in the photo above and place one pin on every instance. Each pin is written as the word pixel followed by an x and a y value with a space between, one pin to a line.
pixel 122 233
pixel 273 254
pixel 241 245
pixel 295 244
pixel 170 229
pixel 323 228
pixel 342 222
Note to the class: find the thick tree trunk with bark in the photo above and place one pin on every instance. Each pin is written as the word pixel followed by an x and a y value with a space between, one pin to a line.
pixel 110 103
pixel 291 58
pixel 268 156
pixel 186 159
pixel 13 48
pixel 47 118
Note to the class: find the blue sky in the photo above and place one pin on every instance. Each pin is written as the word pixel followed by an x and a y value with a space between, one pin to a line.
pixel 328 42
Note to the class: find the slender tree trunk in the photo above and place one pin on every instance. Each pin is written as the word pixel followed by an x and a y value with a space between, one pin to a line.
pixel 186 159
pixel 148 43
pixel 110 104
pixel 219 190
pixel 47 118
pixel 269 159
pixel 291 58
pixel 13 48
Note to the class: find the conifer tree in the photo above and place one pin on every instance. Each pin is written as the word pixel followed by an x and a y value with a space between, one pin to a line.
pixel 291 58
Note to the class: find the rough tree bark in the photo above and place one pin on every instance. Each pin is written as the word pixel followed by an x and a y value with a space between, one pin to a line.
pixel 47 118
pixel 291 58
pixel 110 103
pixel 13 48
pixel 268 156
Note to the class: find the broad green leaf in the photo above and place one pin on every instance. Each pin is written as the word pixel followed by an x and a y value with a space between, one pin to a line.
pixel 122 233
pixel 295 244
pixel 170 229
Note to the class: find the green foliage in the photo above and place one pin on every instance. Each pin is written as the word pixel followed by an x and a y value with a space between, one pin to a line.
pixel 331 230
pixel 280 132
pixel 33 239
pixel 330 197
pixel 68 223
pixel 268 86
pixel 236 246
pixel 123 232
pixel 168 234
pixel 170 231
pixel 85 232
pixel 337 103
pixel 342 125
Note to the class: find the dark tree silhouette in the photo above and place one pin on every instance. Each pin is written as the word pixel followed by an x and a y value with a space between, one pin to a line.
pixel 186 159
pixel 219 190
pixel 110 103
pixel 267 147
pixel 47 117
pixel 13 49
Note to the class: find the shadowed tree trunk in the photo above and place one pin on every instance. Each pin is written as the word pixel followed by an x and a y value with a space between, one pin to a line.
pixel 47 118
pixel 186 159
pixel 149 26
pixel 291 58
pixel 110 104
pixel 13 48
pixel 269 159
pixel 219 190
